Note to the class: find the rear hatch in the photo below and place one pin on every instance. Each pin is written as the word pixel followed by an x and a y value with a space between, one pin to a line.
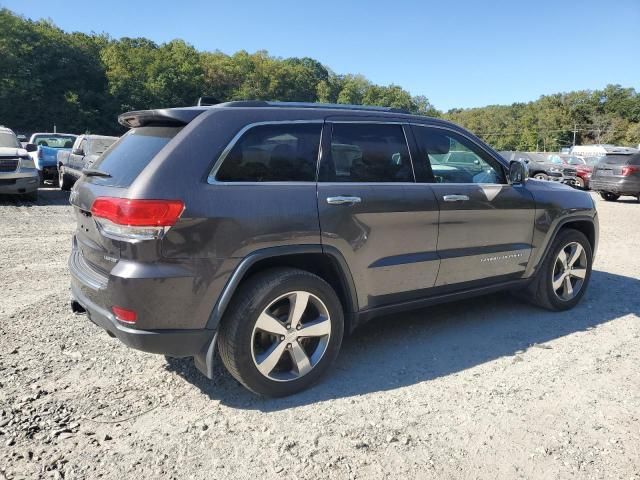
pixel 611 167
pixel 111 176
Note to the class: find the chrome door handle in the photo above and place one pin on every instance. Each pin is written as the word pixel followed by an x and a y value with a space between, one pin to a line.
pixel 455 198
pixel 342 200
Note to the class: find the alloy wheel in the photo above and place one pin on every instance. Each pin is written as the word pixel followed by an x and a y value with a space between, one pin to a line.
pixel 290 336
pixel 569 271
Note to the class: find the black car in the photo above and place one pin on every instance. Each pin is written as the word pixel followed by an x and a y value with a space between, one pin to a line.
pixel 616 174
pixel 544 166
pixel 267 231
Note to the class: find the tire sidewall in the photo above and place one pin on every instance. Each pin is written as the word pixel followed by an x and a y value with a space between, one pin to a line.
pixel 563 239
pixel 248 316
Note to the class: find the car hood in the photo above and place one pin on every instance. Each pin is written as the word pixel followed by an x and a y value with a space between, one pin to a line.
pixel 12 152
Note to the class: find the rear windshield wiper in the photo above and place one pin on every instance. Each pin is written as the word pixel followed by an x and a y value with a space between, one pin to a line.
pixel 90 172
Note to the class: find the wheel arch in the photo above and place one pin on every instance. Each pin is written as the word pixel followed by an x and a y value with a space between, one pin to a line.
pixel 583 223
pixel 326 262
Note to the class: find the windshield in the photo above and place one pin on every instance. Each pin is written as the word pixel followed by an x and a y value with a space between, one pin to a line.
pixel 9 140
pixel 593 160
pixel 54 141
pixel 575 161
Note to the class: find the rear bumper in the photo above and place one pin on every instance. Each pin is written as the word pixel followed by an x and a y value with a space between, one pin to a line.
pixel 624 187
pixel 19 182
pixel 174 343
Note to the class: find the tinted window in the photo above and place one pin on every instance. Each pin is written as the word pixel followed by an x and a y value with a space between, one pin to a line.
pixel 618 159
pixel 454 159
pixel 273 153
pixel 128 157
pixel 367 153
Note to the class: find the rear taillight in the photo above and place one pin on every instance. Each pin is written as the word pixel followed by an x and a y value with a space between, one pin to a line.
pixel 630 170
pixel 125 315
pixel 132 219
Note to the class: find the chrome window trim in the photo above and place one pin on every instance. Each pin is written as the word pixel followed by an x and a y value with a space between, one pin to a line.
pixel 211 178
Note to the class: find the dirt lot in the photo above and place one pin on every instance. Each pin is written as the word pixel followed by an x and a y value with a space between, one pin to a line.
pixel 487 388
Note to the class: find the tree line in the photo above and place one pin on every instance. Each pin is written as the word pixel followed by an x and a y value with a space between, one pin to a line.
pixel 81 82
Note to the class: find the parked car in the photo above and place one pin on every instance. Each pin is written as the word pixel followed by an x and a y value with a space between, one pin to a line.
pixel 584 168
pixel 86 149
pixel 267 230
pixel 18 174
pixel 543 166
pixel 45 155
pixel 616 174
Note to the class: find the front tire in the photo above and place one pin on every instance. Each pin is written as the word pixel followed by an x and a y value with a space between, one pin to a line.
pixel 609 197
pixel 580 183
pixel 281 332
pixel 565 272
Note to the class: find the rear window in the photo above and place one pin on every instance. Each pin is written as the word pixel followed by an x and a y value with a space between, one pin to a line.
pixel 54 141
pixel 127 158
pixel 620 159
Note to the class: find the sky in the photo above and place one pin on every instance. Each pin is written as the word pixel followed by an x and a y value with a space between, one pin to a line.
pixel 458 53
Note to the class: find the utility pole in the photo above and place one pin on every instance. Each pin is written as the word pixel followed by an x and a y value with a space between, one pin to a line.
pixel 575 129
pixel 54 128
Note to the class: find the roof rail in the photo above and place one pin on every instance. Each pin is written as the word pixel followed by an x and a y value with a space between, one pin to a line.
pixel 336 106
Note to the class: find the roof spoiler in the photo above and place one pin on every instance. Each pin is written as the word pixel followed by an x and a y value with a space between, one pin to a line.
pixel 169 117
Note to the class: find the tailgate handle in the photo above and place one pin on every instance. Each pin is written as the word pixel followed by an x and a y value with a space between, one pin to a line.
pixel 455 198
pixel 343 200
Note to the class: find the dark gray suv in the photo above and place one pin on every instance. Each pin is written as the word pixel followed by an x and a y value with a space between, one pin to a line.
pixel 269 230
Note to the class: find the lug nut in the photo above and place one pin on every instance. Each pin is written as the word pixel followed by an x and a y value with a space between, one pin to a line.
pixel 288 325
pixel 298 327
pixel 289 346
pixel 282 337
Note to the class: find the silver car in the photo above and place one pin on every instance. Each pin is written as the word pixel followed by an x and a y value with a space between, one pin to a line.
pixel 18 174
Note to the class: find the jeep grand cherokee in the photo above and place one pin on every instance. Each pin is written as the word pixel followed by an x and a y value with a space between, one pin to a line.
pixel 269 230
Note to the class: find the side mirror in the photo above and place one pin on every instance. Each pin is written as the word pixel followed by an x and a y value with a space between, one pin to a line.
pixel 518 172
pixel 30 147
pixel 78 151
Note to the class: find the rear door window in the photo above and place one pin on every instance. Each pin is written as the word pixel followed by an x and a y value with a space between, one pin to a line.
pixel 273 153
pixel 367 152
pixel 131 154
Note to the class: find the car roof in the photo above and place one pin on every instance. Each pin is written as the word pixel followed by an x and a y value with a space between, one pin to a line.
pixel 6 129
pixel 183 115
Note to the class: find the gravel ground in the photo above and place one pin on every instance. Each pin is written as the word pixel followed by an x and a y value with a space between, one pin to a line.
pixel 486 388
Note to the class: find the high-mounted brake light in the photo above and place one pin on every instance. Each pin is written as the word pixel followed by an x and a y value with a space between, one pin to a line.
pixel 133 219
pixel 630 170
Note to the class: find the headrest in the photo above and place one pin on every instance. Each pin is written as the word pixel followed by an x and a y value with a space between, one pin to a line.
pixel 437 143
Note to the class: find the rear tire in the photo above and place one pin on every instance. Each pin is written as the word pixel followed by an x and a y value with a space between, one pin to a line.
pixel 579 183
pixel 609 197
pixel 261 340
pixel 549 288
pixel 64 179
